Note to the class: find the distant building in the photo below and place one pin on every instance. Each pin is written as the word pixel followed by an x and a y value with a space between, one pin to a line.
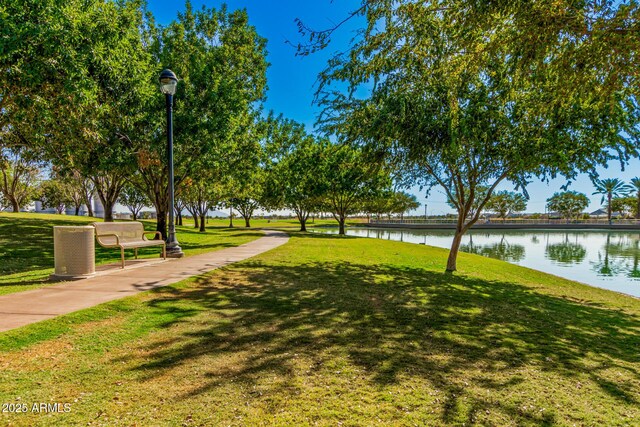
pixel 602 213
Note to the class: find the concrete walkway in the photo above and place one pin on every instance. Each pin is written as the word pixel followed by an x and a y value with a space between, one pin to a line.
pixel 27 307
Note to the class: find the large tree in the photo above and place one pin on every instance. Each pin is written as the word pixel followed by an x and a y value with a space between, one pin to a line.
pixel 220 61
pixel 75 79
pixel 349 178
pixel 55 193
pixel 626 205
pixel 293 170
pixel 133 198
pixel 402 202
pixel 611 188
pixel 378 205
pixel 200 197
pixel 568 203
pixel 19 176
pixel 45 44
pixel 89 126
pixel 504 203
pixel 248 192
pixel 465 96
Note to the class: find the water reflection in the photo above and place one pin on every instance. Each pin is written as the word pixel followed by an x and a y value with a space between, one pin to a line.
pixel 502 250
pixel 597 257
pixel 620 255
pixel 566 252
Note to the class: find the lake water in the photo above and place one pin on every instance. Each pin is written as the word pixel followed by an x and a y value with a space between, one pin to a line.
pixel 609 260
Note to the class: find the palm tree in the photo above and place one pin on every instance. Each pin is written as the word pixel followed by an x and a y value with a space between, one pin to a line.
pixel 635 182
pixel 610 188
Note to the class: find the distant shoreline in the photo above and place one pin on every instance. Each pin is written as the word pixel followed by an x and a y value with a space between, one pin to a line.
pixel 498 226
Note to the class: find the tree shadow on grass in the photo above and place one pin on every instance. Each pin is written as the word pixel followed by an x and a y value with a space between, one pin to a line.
pixel 397 323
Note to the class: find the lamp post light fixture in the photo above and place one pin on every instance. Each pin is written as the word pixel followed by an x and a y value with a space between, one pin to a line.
pixel 168 83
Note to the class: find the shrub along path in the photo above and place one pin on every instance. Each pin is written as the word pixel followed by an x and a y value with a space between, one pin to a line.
pixel 23 308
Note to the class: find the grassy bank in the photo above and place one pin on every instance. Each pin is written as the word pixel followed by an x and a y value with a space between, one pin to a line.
pixel 330 331
pixel 26 246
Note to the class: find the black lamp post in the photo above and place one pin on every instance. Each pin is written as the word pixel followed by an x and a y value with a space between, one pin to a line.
pixel 168 83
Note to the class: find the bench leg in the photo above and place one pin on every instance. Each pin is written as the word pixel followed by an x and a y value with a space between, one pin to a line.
pixel 136 252
pixel 122 256
pixel 164 251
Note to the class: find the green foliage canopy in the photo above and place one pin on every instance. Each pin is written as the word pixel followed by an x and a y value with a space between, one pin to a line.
pixel 611 188
pixel 568 203
pixel 506 202
pixel 466 95
pixel 294 169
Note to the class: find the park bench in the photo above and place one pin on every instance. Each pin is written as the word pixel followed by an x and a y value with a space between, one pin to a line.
pixel 126 235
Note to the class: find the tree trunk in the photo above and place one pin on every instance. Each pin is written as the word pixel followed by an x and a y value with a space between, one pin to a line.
pixel 341 223
pixel 196 224
pixel 230 217
pixel 247 220
pixel 160 198
pixel 302 216
pixel 108 210
pixel 609 208
pixel 202 229
pixel 89 207
pixel 161 224
pixel 180 218
pixel 453 253
pixel 638 207
pixel 14 203
pixel 135 216
pixel 77 210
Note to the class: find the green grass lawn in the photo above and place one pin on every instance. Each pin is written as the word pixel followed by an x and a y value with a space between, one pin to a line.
pixel 26 246
pixel 338 331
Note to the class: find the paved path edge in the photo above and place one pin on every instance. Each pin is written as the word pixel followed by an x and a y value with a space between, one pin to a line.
pixel 27 307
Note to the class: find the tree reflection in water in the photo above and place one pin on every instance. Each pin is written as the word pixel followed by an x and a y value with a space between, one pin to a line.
pixel 600 258
pixel 501 250
pixel 566 252
pixel 620 256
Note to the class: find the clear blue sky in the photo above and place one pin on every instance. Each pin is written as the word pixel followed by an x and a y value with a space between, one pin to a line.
pixel 292 79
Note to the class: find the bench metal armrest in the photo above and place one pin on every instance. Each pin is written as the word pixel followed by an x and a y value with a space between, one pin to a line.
pixel 155 233
pixel 98 236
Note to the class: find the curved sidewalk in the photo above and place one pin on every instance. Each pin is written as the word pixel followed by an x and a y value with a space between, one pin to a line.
pixel 27 307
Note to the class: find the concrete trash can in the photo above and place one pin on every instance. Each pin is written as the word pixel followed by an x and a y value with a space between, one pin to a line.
pixel 74 252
